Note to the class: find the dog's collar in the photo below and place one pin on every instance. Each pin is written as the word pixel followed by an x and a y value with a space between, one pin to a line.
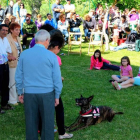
pixel 87 111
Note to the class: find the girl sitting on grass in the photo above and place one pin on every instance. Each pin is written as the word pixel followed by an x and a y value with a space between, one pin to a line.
pixel 126 71
pixel 128 83
pixel 97 62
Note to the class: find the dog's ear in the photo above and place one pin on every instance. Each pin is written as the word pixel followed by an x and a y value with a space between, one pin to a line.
pixel 90 98
pixel 81 96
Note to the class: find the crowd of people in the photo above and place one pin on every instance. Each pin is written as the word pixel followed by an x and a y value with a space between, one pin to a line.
pixel 23 71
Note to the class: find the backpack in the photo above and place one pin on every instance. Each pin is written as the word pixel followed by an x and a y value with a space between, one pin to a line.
pixel 137 45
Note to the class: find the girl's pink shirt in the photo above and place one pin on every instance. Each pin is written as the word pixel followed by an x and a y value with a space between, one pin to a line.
pixel 125 71
pixel 59 60
pixel 96 64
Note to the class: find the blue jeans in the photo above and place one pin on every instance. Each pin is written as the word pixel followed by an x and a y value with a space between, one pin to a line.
pixel 75 30
pixel 87 33
pixel 112 67
pixel 66 35
pixel 122 46
pixel 0 22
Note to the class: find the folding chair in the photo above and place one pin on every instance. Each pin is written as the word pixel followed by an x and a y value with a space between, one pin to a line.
pixel 97 43
pixel 70 43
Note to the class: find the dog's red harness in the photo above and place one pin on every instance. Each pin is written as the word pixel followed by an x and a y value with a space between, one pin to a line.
pixel 95 112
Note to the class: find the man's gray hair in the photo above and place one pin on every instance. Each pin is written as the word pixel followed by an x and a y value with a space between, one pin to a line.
pixel 42 35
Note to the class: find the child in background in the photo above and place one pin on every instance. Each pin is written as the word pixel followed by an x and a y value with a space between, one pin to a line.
pixel 115 34
pixel 128 83
pixel 97 37
pixel 126 71
pixel 97 62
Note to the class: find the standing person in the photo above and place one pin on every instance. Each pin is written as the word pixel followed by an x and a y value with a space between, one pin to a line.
pixel 38 22
pixel 50 21
pixel 69 8
pixel 126 70
pixel 23 13
pixel 56 43
pixel 2 14
pixel 5 55
pixel 41 79
pixel 9 9
pixel 14 40
pixel 16 10
pixel 57 9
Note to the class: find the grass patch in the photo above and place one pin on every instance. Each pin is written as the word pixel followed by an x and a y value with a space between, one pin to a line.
pixel 79 80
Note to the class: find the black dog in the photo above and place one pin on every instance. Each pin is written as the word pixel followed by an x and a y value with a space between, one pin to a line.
pixel 91 115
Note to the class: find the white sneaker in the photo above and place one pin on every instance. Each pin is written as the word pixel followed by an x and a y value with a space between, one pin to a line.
pixel 65 136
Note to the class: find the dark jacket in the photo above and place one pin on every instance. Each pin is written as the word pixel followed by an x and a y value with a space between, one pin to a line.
pixel 2 15
pixel 89 24
pixel 75 24
pixel 9 10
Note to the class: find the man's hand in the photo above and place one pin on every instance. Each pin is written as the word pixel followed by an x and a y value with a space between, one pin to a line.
pixel 11 57
pixel 62 78
pixel 21 98
pixel 56 102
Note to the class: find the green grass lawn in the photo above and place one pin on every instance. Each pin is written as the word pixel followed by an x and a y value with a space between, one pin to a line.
pixel 79 80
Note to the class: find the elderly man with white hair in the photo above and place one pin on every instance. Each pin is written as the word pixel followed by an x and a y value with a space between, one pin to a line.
pixel 38 73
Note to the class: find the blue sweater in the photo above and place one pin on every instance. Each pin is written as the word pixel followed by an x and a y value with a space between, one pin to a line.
pixel 51 22
pixel 38 72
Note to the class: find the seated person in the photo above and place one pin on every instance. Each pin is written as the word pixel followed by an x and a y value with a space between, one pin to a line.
pixel 63 26
pixel 135 81
pixel 29 29
pixel 122 25
pixel 97 36
pixel 74 25
pixel 133 19
pixel 132 36
pixel 13 19
pixel 89 25
pixel 38 22
pixel 51 21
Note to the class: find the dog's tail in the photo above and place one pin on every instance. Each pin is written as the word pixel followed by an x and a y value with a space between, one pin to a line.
pixel 118 113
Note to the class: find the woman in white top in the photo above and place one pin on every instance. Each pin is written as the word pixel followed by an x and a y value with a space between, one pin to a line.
pixel 63 26
pixel 23 13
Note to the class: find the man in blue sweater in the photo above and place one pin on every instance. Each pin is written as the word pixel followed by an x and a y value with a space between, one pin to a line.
pixel 38 73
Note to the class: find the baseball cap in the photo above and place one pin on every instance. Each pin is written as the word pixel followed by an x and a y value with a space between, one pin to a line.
pixel 27 18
